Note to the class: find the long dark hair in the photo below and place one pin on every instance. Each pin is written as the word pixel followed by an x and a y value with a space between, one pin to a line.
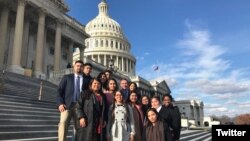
pixel 87 94
pixel 157 98
pixel 149 100
pixel 148 123
pixel 137 101
pixel 103 84
pixel 107 86
pixel 169 96
pixel 136 88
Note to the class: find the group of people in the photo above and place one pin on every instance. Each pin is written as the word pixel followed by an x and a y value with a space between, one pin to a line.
pixel 103 111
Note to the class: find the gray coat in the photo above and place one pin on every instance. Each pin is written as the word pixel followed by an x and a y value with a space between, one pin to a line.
pixel 87 107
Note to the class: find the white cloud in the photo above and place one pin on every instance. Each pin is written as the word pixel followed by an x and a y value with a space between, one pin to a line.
pixel 201 53
pixel 221 86
pixel 200 59
pixel 244 105
pixel 214 109
pixel 229 109
pixel 201 71
pixel 139 58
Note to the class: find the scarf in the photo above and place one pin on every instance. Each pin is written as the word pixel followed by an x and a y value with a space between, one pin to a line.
pixel 155 133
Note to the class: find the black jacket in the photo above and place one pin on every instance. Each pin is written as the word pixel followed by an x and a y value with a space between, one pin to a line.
pixel 87 107
pixel 176 121
pixel 165 115
pixel 86 81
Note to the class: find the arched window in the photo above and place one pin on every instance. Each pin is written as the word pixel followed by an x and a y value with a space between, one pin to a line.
pixel 101 43
pixel 107 43
pixel 87 44
pixel 96 43
pixel 116 44
pixel 111 44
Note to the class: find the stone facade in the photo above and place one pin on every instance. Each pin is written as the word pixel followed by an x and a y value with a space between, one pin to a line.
pixel 38 35
pixel 192 110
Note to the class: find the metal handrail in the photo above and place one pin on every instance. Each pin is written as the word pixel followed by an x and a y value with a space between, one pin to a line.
pixel 40 91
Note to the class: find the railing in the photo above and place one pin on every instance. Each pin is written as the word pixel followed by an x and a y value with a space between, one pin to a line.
pixel 2 80
pixel 40 91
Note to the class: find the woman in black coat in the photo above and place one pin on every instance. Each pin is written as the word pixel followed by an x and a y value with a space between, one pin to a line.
pixel 175 115
pixel 91 113
pixel 164 114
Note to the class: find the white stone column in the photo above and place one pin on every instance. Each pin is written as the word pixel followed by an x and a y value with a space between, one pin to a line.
pixel 45 54
pixel 127 64
pixel 105 60
pixel 82 53
pixel 133 67
pixel 15 65
pixel 195 115
pixel 201 115
pixel 25 45
pixel 71 47
pixel 3 34
pixel 99 58
pixel 38 72
pixel 117 62
pixel 57 59
pixel 122 63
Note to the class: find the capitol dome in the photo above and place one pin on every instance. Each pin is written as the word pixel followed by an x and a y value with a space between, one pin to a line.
pixel 102 23
pixel 108 42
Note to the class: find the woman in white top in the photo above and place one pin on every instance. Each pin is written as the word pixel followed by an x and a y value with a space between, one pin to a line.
pixel 120 122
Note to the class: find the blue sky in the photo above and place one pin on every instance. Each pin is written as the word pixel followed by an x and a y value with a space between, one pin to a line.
pixel 202 47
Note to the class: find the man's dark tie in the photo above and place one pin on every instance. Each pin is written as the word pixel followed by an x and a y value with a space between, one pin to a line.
pixel 77 90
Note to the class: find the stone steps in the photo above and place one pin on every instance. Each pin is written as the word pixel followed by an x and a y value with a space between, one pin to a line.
pixel 22 99
pixel 28 91
pixel 16 135
pixel 17 122
pixel 23 116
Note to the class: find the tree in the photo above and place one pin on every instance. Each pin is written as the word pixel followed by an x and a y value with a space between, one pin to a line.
pixel 214 117
pixel 243 119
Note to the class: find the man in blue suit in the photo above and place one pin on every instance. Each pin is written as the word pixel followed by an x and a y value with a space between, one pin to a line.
pixel 69 90
pixel 124 89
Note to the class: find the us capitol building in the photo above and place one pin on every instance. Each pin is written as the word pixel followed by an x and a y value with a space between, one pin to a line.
pixel 38 39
